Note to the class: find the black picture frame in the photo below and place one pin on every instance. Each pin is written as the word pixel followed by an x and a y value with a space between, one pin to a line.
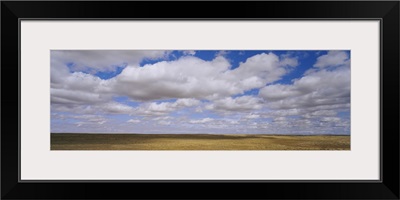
pixel 386 11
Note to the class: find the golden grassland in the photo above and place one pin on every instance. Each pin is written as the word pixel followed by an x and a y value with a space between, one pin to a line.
pixel 73 141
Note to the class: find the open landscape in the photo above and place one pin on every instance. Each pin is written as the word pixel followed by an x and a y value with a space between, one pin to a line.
pixel 68 141
pixel 200 99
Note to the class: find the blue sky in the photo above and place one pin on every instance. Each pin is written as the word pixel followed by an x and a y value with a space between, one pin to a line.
pixel 204 91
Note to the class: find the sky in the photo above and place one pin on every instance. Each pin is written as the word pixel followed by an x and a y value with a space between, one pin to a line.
pixel 200 91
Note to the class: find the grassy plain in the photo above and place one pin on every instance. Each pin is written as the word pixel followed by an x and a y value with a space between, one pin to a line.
pixel 73 141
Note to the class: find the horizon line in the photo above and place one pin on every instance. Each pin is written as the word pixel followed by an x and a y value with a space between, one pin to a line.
pixel 203 133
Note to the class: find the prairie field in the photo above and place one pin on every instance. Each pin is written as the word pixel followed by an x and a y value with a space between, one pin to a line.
pixel 82 141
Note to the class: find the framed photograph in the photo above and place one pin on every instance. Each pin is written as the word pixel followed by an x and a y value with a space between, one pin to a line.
pixel 116 99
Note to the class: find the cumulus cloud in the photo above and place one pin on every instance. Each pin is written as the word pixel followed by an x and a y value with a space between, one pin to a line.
pixel 221 53
pixel 115 107
pixel 279 119
pixel 330 119
pixel 134 121
pixel 314 99
pixel 261 69
pixel 189 52
pixel 191 77
pixel 102 60
pixel 315 89
pixel 58 71
pixel 80 88
pixel 187 77
pixel 165 123
pixel 89 120
pixel 111 107
pixel 161 118
pixel 166 95
pixel 85 88
pixel 243 103
pixel 252 116
pixel 201 121
pixel 320 113
pixel 332 59
pixel 163 108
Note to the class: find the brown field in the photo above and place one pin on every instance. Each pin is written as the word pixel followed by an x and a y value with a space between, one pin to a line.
pixel 69 141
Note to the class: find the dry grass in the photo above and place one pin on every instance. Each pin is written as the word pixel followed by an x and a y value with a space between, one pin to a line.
pixel 68 141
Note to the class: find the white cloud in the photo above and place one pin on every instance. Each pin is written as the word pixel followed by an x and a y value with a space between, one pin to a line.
pixel 58 70
pixel 161 118
pixel 320 113
pixel 330 119
pixel 279 119
pixel 185 103
pixel 102 60
pixel 165 123
pixel 191 77
pixel 262 68
pixel 64 96
pixel 89 119
pixel 186 78
pixel 315 89
pixel 289 59
pixel 252 116
pixel 134 121
pixel 163 108
pixel 115 108
pixel 189 52
pixel 313 100
pixel 243 103
pixel 94 108
pixel 222 53
pixel 201 121
pixel 80 88
pixel 84 119
pixel 332 59
pixel 310 102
